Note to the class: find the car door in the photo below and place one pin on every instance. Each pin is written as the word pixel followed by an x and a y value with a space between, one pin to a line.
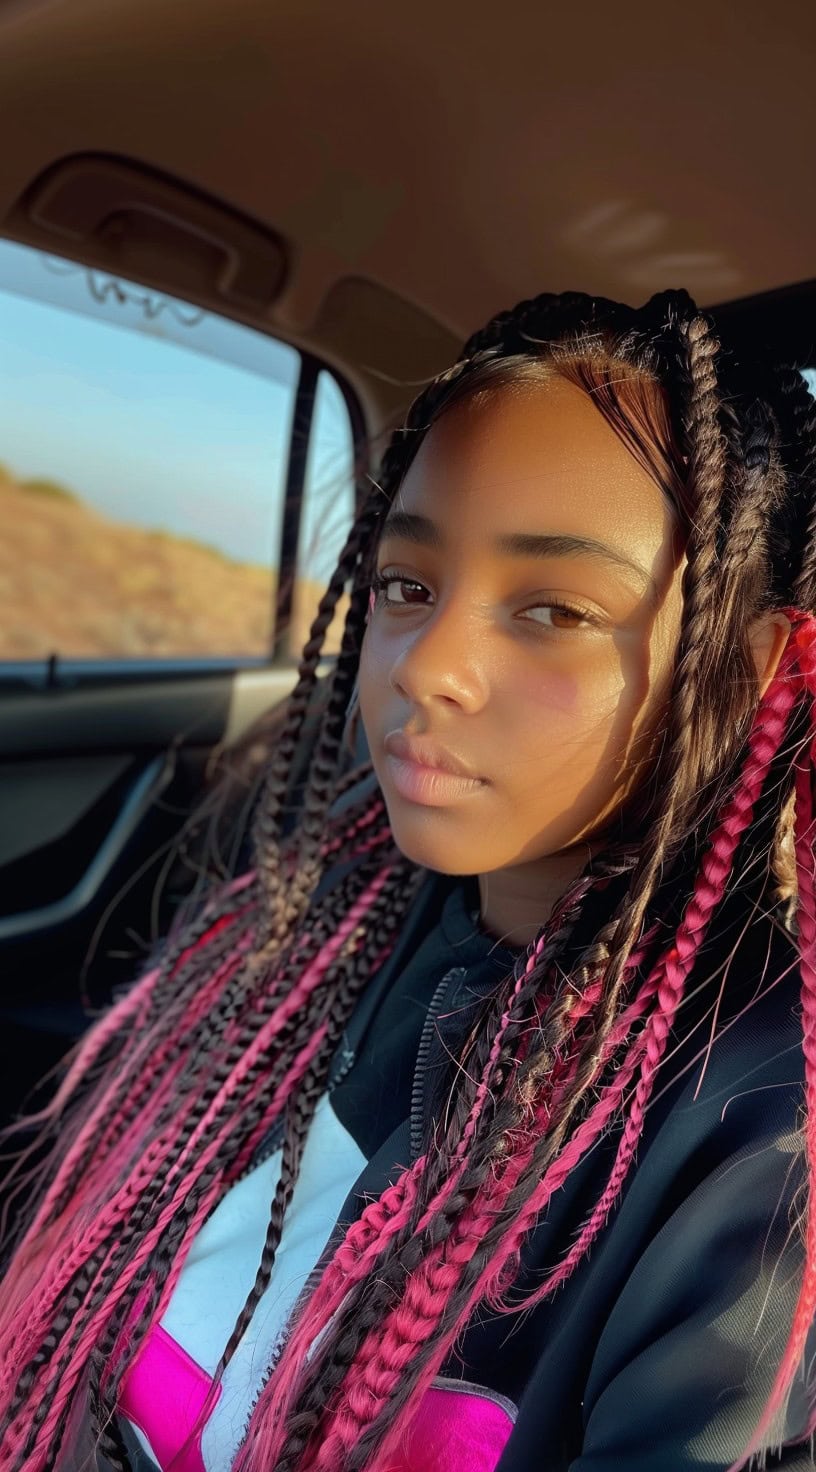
pixel 174 488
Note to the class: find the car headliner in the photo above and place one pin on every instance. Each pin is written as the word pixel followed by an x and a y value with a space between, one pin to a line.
pixel 429 164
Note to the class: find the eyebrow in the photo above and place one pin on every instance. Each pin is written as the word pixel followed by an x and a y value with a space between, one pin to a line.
pixel 413 529
pixel 420 529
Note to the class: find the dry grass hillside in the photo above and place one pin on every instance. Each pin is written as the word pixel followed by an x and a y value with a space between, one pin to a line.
pixel 78 584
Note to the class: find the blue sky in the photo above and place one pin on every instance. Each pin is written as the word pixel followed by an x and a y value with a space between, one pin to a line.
pixel 148 422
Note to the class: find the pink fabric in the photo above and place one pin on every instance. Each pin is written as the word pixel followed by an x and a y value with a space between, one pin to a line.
pixel 455 1431
pixel 162 1393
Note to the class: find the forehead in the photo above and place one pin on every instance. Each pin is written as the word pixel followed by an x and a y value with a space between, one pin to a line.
pixel 535 457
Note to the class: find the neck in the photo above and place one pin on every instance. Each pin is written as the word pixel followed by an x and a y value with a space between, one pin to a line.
pixel 516 902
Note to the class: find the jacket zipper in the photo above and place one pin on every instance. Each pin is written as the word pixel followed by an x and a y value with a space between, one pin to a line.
pixel 346 1065
pixel 423 1052
pixel 349 1058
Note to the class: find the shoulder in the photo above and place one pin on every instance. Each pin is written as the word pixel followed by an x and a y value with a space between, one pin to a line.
pixel 732 1078
pixel 710 1227
pixel 738 1035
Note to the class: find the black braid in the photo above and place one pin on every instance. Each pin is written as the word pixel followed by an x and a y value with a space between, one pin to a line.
pixel 383 920
pixel 341 990
pixel 365 1306
pixel 128 1095
pixel 328 752
pixel 69 1323
pixel 702 398
pixel 284 909
pixel 707 470
pixel 110 1441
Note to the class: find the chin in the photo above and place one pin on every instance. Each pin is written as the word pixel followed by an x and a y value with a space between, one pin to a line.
pixel 426 843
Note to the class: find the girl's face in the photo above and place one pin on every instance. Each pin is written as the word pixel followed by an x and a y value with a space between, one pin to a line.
pixel 525 631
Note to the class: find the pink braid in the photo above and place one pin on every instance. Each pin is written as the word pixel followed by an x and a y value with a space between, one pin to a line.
pixel 32 1263
pixel 244 1157
pixel 282 1093
pixel 805 1310
pixel 376 1369
pixel 489 1281
pixel 161 1057
pixel 307 983
pixel 130 1008
pixel 367 1238
pixel 412 1322
pixel 25 1325
pixel 155 1061
pixel 386 1352
pixel 358 826
pixel 473 1228
pixel 485 1082
pixel 134 1008
pixel 119 1206
pixel 208 1201
pixel 16 1435
pixel 310 979
pixel 715 870
pixel 361 1247
pixel 73 1361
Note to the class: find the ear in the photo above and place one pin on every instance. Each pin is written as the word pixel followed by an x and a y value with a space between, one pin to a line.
pixel 767 637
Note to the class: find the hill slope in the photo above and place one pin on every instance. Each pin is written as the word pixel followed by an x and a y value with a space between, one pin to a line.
pixel 76 583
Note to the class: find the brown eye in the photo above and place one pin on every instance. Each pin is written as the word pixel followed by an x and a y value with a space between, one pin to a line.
pixel 398 592
pixel 559 615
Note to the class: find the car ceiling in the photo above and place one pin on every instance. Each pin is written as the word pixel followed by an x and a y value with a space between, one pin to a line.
pixel 445 159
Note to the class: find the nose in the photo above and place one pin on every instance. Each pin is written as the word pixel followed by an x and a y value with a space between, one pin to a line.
pixel 441 662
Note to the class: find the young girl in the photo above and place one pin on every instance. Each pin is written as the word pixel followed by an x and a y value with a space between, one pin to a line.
pixel 475 1127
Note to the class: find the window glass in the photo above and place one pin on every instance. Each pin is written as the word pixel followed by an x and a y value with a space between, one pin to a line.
pixel 809 374
pixel 328 510
pixel 143 455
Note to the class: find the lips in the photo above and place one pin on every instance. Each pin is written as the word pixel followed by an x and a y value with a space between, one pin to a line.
pixel 427 775
pixel 427 753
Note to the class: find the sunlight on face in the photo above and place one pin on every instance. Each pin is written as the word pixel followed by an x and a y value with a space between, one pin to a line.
pixel 542 664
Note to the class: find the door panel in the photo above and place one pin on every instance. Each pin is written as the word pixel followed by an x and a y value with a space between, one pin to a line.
pixel 95 785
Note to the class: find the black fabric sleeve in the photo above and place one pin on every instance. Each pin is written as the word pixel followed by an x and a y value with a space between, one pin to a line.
pixel 685 1362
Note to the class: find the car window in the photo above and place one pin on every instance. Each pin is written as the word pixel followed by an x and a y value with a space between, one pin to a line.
pixel 144 449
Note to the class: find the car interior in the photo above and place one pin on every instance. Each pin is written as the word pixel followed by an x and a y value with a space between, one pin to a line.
pixel 235 239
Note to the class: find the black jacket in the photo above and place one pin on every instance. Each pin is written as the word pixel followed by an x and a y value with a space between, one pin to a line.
pixel 660 1350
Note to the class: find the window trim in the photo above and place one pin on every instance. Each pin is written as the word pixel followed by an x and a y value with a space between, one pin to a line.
pixel 302 420
pixel 299 440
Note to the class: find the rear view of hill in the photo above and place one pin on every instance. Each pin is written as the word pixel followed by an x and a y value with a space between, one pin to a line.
pixel 78 584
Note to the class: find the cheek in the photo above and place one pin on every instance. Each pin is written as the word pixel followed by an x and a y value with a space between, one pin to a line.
pixel 550 691
pixel 566 764
pixel 554 732
pixel 570 701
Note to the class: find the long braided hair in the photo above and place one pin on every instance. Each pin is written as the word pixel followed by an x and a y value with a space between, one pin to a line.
pixel 234 1028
